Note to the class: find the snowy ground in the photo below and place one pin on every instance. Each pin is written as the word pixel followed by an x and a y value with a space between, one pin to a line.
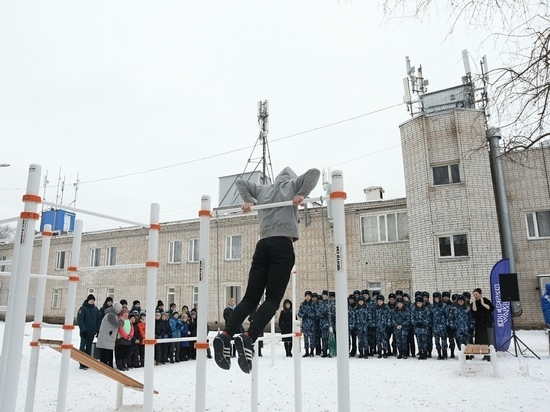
pixel 376 384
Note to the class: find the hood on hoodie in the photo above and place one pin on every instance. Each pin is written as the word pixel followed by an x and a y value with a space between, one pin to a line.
pixel 285 175
pixel 548 288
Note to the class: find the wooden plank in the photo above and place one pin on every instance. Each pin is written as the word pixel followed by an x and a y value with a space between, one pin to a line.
pixel 96 365
pixel 477 350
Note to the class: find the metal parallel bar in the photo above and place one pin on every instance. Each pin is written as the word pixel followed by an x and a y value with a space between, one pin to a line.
pixel 89 212
pixel 269 205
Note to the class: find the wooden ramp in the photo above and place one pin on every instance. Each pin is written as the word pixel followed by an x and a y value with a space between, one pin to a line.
pixel 96 365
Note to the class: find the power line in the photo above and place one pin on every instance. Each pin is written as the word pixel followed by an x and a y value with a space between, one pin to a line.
pixel 156 169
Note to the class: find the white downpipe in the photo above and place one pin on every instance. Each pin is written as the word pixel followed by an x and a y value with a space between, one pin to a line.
pixel 202 315
pixel 152 270
pixel 342 337
pixel 69 319
pixel 12 347
pixel 254 397
pixel 38 317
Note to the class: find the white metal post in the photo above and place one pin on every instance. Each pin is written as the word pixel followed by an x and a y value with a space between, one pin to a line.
pixel 68 327
pixel 38 316
pixel 202 315
pixel 342 337
pixel 296 349
pixel 152 265
pixel 272 341
pixel 254 397
pixel 12 348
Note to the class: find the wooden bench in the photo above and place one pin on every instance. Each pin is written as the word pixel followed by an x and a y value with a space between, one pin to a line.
pixel 471 350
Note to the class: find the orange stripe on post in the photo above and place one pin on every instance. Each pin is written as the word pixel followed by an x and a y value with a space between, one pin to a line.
pixel 47 233
pixel 152 264
pixel 74 278
pixel 67 327
pixel 154 226
pixel 29 215
pixel 338 195
pixel 32 198
pixel 298 334
pixel 201 345
pixel 36 325
pixel 33 343
pixel 149 341
pixel 67 346
pixel 205 213
pixel 72 269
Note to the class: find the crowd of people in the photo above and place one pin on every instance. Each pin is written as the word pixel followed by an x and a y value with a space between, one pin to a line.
pixel 121 331
pixel 401 326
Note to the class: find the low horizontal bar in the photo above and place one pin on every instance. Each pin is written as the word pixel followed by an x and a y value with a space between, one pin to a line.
pixel 169 340
pixel 270 205
pixel 35 275
pixel 3 308
pixel 11 219
pixel 51 326
pixel 89 212
pixel 128 266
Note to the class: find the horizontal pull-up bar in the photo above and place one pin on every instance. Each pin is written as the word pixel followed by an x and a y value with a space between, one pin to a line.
pixel 11 219
pixel 89 212
pixel 36 275
pixel 112 267
pixel 271 205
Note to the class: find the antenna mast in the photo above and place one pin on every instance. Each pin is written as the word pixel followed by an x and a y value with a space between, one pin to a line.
pixel 414 84
pixel 263 122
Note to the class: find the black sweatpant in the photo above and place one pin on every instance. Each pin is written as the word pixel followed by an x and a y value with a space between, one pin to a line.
pixel 270 271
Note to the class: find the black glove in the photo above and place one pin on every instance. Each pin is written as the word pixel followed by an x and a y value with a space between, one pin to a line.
pixel 83 334
pixel 419 324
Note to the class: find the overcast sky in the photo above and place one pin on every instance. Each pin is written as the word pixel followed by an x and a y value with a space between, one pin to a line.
pixel 107 89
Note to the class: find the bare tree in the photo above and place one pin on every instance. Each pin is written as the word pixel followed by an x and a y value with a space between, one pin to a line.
pixel 7 232
pixel 520 89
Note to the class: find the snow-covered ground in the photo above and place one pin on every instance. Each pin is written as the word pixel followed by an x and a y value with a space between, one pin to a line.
pixel 376 384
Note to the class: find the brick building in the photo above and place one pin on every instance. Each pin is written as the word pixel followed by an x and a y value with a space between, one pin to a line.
pixel 443 236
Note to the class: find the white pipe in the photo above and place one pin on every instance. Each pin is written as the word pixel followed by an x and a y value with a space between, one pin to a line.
pixel 38 317
pixel 342 337
pixel 89 212
pixel 152 270
pixel 119 395
pixel 269 205
pixel 296 349
pixel 202 315
pixel 11 219
pixel 254 381
pixel 14 330
pixel 272 341
pixel 69 319
pixel 36 275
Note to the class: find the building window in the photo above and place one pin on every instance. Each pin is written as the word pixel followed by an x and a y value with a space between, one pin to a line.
pixel 374 286
pixel 170 296
pixel 453 245
pixel 538 224
pixel 443 175
pixel 111 293
pixel 194 250
pixel 110 256
pixel 56 298
pixel 390 227
pixel 195 294
pixel 60 260
pixel 174 251
pixel 95 256
pixel 3 267
pixel 233 247
pixel 233 292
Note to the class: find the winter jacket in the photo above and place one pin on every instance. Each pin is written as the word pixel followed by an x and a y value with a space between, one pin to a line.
pixel 125 333
pixel 483 316
pixel 88 320
pixel 545 303
pixel 175 327
pixel 307 314
pixel 108 330
pixel 400 317
pixel 464 320
pixel 420 318
pixel 362 315
pixel 382 316
pixel 279 221
pixel 285 321
pixel 440 315
pixel 141 332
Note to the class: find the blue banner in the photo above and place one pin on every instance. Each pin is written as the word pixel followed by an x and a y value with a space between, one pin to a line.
pixel 502 316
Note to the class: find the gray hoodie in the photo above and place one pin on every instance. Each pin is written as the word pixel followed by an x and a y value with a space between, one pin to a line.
pixel 279 221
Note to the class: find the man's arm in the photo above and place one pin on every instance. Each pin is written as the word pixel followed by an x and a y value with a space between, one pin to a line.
pixel 306 182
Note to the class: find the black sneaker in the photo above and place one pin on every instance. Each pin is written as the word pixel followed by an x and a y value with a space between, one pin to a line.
pixel 245 352
pixel 222 350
